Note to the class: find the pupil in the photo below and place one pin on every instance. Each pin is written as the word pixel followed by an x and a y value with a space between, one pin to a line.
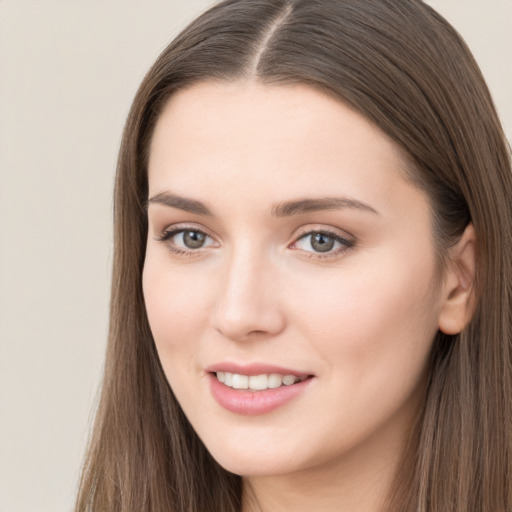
pixel 322 243
pixel 193 239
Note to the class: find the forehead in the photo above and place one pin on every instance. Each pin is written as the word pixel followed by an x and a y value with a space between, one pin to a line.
pixel 214 111
pixel 272 140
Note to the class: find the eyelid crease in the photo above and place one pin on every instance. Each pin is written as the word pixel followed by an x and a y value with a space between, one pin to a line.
pixel 186 226
pixel 329 234
pixel 168 233
pixel 310 228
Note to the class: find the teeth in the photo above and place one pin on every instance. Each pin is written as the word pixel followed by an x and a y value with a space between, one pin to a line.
pixel 240 381
pixel 288 380
pixel 274 380
pixel 256 382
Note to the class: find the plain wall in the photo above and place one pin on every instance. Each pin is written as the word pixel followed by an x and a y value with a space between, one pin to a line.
pixel 68 72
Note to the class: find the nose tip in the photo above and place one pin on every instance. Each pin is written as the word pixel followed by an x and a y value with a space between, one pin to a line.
pixel 247 307
pixel 243 326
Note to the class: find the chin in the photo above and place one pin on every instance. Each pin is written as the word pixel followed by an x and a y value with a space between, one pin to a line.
pixel 255 467
pixel 256 460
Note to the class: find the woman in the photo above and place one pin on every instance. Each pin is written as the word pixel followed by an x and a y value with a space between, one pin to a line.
pixel 311 291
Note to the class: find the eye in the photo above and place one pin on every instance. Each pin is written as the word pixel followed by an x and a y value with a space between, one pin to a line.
pixel 322 243
pixel 186 240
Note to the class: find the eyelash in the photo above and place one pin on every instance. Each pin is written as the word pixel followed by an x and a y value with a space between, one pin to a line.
pixel 346 244
pixel 168 234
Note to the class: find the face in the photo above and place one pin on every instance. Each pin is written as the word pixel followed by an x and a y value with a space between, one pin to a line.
pixel 288 277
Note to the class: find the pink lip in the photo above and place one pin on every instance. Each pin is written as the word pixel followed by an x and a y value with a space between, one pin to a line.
pixel 252 403
pixel 253 369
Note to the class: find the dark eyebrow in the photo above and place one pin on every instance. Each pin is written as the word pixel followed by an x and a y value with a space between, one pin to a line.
pixel 182 203
pixel 283 209
pixel 306 205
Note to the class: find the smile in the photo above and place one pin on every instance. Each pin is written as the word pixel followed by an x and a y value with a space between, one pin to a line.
pixel 257 382
pixel 256 389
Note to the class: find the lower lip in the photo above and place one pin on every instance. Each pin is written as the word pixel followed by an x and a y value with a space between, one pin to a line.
pixel 252 403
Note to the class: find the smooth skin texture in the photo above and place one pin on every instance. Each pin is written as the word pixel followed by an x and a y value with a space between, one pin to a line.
pixel 250 286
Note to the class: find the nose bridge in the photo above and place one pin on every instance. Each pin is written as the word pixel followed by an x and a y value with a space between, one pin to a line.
pixel 247 303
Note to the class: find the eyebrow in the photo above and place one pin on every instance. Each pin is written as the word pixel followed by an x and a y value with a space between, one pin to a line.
pixel 282 209
pixel 306 205
pixel 181 203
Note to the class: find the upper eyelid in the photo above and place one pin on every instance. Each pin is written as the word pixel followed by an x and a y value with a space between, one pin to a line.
pixel 330 234
pixel 186 226
pixel 301 231
pixel 347 242
pixel 312 228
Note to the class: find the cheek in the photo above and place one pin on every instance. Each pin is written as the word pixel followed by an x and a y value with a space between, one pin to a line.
pixel 176 306
pixel 373 326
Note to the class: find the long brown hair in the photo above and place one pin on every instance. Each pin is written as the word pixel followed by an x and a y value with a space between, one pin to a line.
pixel 405 68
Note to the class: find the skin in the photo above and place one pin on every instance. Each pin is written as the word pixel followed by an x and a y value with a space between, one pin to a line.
pixel 360 318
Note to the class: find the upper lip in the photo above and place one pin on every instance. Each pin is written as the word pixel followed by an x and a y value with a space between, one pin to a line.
pixel 254 369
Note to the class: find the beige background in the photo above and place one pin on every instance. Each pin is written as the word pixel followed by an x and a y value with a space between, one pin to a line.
pixel 68 71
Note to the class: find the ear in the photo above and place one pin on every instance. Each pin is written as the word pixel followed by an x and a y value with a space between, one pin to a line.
pixel 458 297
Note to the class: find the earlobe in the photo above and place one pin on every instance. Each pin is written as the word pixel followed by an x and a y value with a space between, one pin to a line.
pixel 458 303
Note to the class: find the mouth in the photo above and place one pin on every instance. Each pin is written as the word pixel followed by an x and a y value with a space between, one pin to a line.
pixel 258 382
pixel 256 389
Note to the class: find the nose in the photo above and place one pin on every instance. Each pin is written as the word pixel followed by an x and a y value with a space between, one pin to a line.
pixel 248 306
